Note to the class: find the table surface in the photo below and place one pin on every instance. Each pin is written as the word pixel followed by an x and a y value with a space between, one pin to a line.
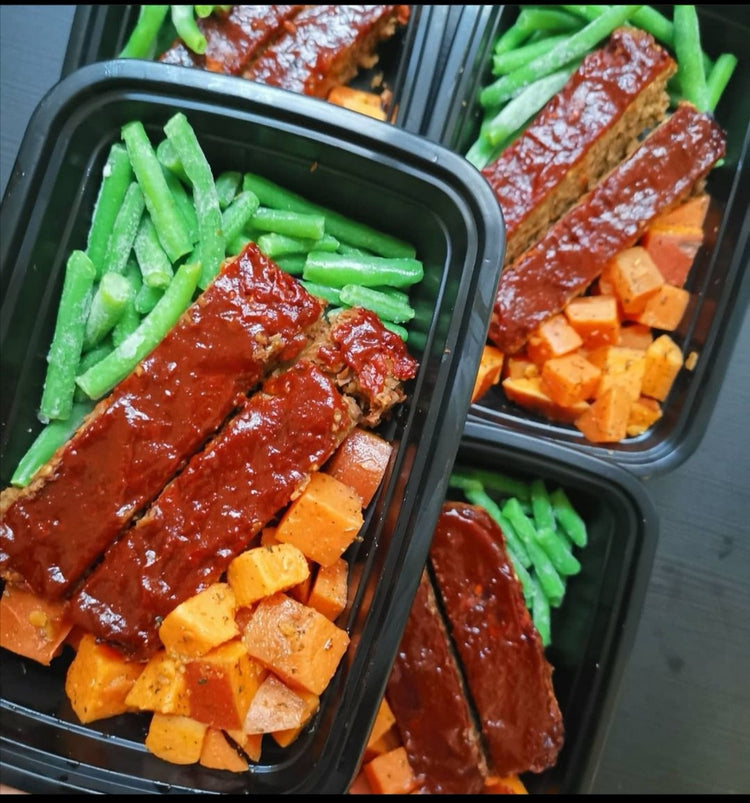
pixel 682 720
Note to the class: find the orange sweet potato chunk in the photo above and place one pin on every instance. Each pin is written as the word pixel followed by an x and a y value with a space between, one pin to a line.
pixel 666 309
pixel 663 362
pixel 360 462
pixel 619 366
pixel 504 785
pixel 527 392
pixel 673 251
pixel 490 371
pixel 218 754
pixel 31 626
pixel 275 707
pixel 390 773
pixel 644 413
pixel 329 589
pixel 161 686
pixel 635 336
pixel 323 520
pixel 175 738
pixel 553 338
pixel 595 318
pixel 261 571
pixel 295 641
pixel 606 420
pixel 311 702
pixel 570 379
pixel 251 744
pixel 634 278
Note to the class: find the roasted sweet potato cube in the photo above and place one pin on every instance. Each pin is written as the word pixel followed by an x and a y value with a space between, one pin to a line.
pixel 390 773
pixel 504 785
pixel 274 707
pixel 644 413
pixel 490 371
pixel 663 362
pixel 98 680
pixel 553 338
pixel 250 743
pixel 296 642
pixel 519 366
pixel 323 520
pixel 666 309
pixel 264 570
pixel 673 251
pixel 360 462
pixel 161 686
pixel 31 626
pixel 218 754
pixel 635 336
pixel 175 738
pixel 222 684
pixel 527 392
pixel 595 318
pixel 619 366
pixel 634 277
pixel 606 419
pixel 384 721
pixel 201 622
pixel 311 704
pixel 570 379
pixel 329 589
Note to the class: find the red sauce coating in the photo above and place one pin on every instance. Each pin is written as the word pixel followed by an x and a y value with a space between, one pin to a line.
pixel 598 94
pixel 508 675
pixel 323 47
pixel 252 316
pixel 211 511
pixel 425 693
pixel 233 39
pixel 611 217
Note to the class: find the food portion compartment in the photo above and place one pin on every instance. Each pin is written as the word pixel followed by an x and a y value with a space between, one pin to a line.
pixel 708 267
pixel 605 523
pixel 390 84
pixel 382 176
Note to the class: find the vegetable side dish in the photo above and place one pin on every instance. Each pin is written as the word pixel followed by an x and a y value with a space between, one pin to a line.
pixel 597 140
pixel 213 428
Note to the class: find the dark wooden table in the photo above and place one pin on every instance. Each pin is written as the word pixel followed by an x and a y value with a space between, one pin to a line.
pixel 682 721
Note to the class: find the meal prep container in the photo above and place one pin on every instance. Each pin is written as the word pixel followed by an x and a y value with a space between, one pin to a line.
pixel 719 281
pixel 371 171
pixel 593 630
pixel 407 62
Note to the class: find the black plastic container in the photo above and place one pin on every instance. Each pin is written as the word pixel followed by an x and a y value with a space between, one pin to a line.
pixel 719 281
pixel 407 62
pixel 594 629
pixel 374 172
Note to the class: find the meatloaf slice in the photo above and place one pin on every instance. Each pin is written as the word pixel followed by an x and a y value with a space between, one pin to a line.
pixel 326 46
pixel 617 93
pixel 251 318
pixel 668 165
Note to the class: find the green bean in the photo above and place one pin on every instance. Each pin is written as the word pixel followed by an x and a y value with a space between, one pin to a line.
pixel 167 156
pixel 504 63
pixel 130 317
pixel 103 376
pixel 155 266
pixel 687 45
pixel 568 517
pixel 544 515
pixel 718 78
pixel 67 340
pixel 183 201
pixel 556 547
pixel 342 269
pixel 227 186
pixel 293 264
pixel 548 19
pixel 293 224
pixel 142 38
pixel 107 306
pixel 342 228
pixel 124 231
pixel 646 17
pixel 553 585
pixel 397 329
pixel 47 442
pixel 384 306
pixel 238 244
pixel 183 19
pixel 481 153
pixel 576 46
pixel 166 216
pixel 211 244
pixel 512 38
pixel 204 11
pixel 526 104
pixel 116 178
pixel 540 612
pixel 497 481
pixel 237 214
pixel 147 298
pixel 275 245
pixel 330 294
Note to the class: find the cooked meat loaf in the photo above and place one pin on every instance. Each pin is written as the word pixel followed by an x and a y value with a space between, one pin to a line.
pixel 617 93
pixel 668 165
pixel 251 318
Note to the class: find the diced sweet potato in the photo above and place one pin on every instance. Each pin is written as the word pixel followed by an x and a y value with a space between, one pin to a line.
pixel 323 520
pixel 360 785
pixel 490 371
pixel 663 361
pixel 386 742
pixel 161 686
pixel 218 754
pixel 311 704
pixel 264 570
pixel 175 738
pixel 250 743
pixel 689 214
pixel 505 785
pixel 527 392
pixel 274 707
pixel 619 366
pixel 595 318
pixel 222 684
pixel 201 622
pixel 360 462
pixel 31 626
pixel 570 379
pixel 606 420
pixel 634 277
pixel 329 589
pixel 390 773
pixel 384 721
pixel 553 338
pixel 295 642
pixel 635 336
pixel 358 100
pixel 666 309
pixel 519 366
pixel 98 680
pixel 644 413
pixel 673 251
